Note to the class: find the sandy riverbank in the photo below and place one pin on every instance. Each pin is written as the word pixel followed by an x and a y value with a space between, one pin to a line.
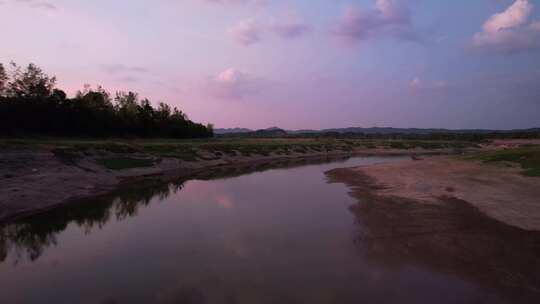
pixel 462 218
pixel 497 190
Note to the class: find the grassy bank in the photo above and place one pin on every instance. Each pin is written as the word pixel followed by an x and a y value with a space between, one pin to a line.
pixel 226 144
pixel 123 154
pixel 527 156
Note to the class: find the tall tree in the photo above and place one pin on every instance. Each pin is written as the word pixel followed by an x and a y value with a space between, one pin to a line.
pixel 98 99
pixel 127 103
pixel 3 80
pixel 30 83
pixel 30 104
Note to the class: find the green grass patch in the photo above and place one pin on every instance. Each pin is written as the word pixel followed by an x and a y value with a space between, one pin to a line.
pixel 527 157
pixel 125 163
pixel 429 145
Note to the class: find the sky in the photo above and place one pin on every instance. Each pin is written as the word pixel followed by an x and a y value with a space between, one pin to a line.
pixel 296 64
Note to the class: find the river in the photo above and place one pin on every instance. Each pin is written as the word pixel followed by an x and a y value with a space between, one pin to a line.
pixel 282 235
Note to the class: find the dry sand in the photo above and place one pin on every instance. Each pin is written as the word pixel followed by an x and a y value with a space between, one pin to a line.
pixel 499 191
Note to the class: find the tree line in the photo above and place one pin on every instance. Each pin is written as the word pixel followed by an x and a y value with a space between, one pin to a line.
pixel 31 104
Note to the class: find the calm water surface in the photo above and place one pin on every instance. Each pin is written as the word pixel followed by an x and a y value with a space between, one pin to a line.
pixel 277 236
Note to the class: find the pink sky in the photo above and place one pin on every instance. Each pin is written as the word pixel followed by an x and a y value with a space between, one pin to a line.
pixel 295 64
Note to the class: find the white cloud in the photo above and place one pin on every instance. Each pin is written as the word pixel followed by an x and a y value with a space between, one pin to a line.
pixel 514 16
pixel 387 17
pixel 291 26
pixel 233 84
pixel 393 10
pixel 504 32
pixel 230 76
pixel 246 32
pixel 419 84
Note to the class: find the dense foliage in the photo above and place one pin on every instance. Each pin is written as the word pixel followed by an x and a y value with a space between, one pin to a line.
pixel 30 104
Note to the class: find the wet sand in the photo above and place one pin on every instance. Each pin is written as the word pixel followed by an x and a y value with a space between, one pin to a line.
pixel 461 218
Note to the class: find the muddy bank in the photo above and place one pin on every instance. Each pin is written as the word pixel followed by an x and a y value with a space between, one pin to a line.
pixel 38 180
pixel 441 232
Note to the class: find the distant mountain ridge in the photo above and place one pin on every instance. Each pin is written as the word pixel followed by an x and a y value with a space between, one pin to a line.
pixel 367 131
pixel 268 132
pixel 232 130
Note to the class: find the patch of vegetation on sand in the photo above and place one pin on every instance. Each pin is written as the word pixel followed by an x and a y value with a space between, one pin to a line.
pixel 110 147
pixel 122 163
pixel 179 151
pixel 430 145
pixel 193 150
pixel 528 157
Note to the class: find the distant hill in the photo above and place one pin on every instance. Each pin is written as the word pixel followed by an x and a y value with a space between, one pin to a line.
pixel 242 132
pixel 358 131
pixel 389 130
pixel 231 130
pixel 270 132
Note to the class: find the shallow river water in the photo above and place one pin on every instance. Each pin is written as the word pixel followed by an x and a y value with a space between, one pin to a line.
pixel 282 235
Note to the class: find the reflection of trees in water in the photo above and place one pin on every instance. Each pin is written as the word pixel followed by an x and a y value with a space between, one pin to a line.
pixel 453 238
pixel 32 235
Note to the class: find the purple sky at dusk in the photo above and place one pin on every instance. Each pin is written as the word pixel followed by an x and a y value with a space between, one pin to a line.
pixel 295 63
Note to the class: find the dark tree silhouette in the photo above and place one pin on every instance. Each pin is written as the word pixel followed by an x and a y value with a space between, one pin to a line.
pixel 30 83
pixel 3 79
pixel 30 104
